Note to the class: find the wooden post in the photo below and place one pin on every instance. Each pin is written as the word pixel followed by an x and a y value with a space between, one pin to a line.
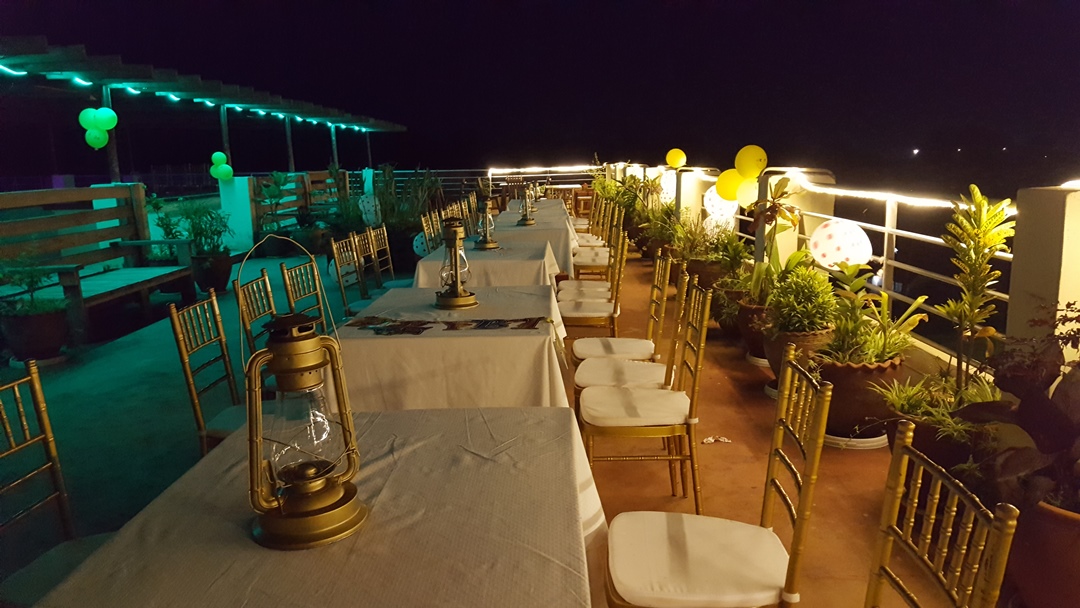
pixel 110 148
pixel 288 143
pixel 333 144
pixel 225 134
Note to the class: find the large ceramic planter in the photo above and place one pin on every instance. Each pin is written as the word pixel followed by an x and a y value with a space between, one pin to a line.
pixel 212 271
pixel 1045 557
pixel 707 272
pixel 858 413
pixel 39 336
pixel 751 320
pixel 806 343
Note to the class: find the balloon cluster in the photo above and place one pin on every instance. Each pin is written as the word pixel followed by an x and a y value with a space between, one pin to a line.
pixel 97 122
pixel 740 184
pixel 220 169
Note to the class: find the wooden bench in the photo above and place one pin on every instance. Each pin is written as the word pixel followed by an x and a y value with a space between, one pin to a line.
pixel 96 242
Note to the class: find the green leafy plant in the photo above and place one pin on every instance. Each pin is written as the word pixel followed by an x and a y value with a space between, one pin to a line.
pixel 168 223
pixel 206 228
pixel 935 400
pixel 802 301
pixel 659 224
pixel 26 273
pixel 865 331
pixel 768 213
pixel 400 206
pixel 271 193
pixel 731 251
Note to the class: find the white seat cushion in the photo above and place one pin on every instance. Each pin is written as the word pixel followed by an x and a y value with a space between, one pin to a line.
pixel 638 349
pixel 615 406
pixel 592 295
pixel 605 371
pixel 577 284
pixel 593 255
pixel 590 240
pixel 580 308
pixel 675 560
pixel 28 585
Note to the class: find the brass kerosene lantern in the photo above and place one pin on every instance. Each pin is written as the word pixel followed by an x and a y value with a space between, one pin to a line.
pixel 527 208
pixel 455 269
pixel 301 469
pixel 487 229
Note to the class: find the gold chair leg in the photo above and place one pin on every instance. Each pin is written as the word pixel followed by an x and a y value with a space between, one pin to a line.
pixel 669 444
pixel 589 449
pixel 699 506
pixel 683 467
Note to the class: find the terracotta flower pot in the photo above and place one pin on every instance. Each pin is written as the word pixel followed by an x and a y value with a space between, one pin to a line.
pixel 707 272
pixel 751 319
pixel 806 343
pixel 859 412
pixel 1045 554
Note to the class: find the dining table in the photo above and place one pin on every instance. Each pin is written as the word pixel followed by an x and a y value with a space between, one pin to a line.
pixel 553 226
pixel 468 507
pixel 518 263
pixel 401 351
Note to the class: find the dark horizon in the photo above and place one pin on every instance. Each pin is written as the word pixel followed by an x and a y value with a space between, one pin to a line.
pixel 852 87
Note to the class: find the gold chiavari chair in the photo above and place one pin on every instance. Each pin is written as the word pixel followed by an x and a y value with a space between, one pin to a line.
pixel 302 283
pixel 636 349
pixel 195 328
pixel 591 313
pixel 599 226
pixel 380 254
pixel 583 201
pixel 24 496
pixel 350 271
pixel 958 542
pixel 669 412
pixel 662 559
pixel 593 261
pixel 256 302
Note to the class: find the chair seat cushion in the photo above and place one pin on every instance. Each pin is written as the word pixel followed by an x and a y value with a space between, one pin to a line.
pixel 590 240
pixel 592 255
pixel 227 422
pixel 590 295
pixel 606 371
pixel 638 349
pixel 581 308
pixel 614 406
pixel 27 586
pixel 577 284
pixel 675 560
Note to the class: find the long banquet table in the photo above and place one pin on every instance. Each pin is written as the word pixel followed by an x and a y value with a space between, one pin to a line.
pixel 469 507
pixel 451 362
pixel 552 226
pixel 522 263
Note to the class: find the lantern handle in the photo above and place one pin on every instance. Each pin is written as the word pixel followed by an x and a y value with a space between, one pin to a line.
pixel 260 494
pixel 352 454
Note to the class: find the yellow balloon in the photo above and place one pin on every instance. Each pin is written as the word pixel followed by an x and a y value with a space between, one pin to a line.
pixel 747 193
pixel 676 158
pixel 751 161
pixel 727 184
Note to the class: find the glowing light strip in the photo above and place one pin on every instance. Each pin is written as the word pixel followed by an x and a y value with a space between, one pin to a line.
pixel 81 82
pixel 205 102
pixel 564 169
pixel 173 97
pixel 1072 183
pixel 260 112
pixel 13 72
pixel 133 91
pixel 799 178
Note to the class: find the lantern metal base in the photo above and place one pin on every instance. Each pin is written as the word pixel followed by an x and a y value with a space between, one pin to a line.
pixel 447 301
pixel 280 529
pixel 526 221
pixel 485 245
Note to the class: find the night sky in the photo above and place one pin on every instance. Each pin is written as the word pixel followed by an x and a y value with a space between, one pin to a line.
pixel 850 86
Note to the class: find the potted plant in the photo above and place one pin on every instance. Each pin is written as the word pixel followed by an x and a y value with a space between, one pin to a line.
pixel 733 256
pixel 657 228
pixel 272 192
pixel 34 327
pixel 211 261
pixel 400 206
pixel 867 347
pixel 1031 455
pixel 801 309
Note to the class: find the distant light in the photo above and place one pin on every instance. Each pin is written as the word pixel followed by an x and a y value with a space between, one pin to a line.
pixel 958 149
pixel 363 129
pixel 173 97
pixel 81 82
pixel 1072 183
pixel 237 108
pixel 260 112
pixel 7 70
pixel 915 152
pixel 279 115
pixel 355 128
pixel 298 119
pixel 313 121
pixel 205 102
pixel 133 91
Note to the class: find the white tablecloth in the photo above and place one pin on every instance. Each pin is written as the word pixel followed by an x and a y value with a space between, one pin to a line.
pixel 521 263
pixel 552 226
pixel 468 508
pixel 444 368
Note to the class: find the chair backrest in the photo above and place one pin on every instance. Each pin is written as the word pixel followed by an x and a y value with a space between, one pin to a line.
pixel 802 407
pixel 20 433
pixel 255 301
pixel 302 282
pixel 380 244
pixel 654 327
pixel 349 267
pixel 694 331
pixel 195 328
pixel 958 542
pixel 583 201
pixel 618 258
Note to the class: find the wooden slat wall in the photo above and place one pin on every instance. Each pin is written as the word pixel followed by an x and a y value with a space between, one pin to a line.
pixel 17 228
pixel 44 198
pixel 49 249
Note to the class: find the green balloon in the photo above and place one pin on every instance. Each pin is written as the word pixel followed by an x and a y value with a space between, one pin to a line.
pixel 215 171
pixel 96 138
pixel 86 118
pixel 224 172
pixel 219 158
pixel 105 118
